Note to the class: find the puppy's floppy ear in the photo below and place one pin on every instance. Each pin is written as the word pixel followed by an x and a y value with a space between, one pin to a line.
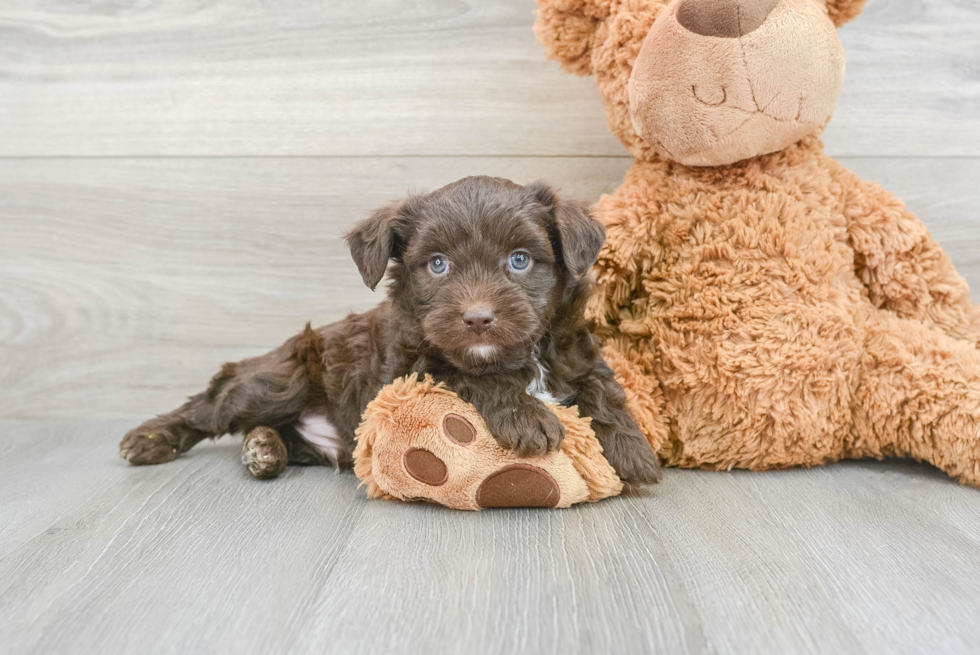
pixel 378 238
pixel 579 236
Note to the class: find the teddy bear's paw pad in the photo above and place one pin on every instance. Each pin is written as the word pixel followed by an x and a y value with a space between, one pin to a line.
pixel 519 485
pixel 426 467
pixel 458 430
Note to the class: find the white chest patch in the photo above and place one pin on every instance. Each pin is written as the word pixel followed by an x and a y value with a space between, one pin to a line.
pixel 315 428
pixel 539 385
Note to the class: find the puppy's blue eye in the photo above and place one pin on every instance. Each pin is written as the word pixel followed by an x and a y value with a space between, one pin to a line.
pixel 438 265
pixel 520 260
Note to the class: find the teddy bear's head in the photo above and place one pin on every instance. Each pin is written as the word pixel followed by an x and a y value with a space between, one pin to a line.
pixel 705 82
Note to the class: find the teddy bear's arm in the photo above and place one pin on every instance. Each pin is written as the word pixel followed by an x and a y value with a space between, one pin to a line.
pixel 616 288
pixel 602 308
pixel 621 259
pixel 904 269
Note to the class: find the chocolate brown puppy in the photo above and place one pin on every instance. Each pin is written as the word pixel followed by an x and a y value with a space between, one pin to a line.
pixel 488 285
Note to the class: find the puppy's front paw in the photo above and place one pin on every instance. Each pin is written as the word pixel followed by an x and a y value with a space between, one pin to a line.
pixel 629 452
pixel 529 429
pixel 642 469
pixel 148 445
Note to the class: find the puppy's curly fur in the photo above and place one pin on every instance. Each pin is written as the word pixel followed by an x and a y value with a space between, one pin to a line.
pixel 514 257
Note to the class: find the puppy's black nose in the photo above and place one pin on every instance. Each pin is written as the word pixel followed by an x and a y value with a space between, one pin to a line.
pixel 478 319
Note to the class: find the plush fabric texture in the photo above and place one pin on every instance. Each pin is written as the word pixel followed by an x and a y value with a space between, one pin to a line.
pixel 777 311
pixel 419 441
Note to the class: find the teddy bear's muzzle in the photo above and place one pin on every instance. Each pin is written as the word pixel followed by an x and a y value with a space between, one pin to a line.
pixel 719 81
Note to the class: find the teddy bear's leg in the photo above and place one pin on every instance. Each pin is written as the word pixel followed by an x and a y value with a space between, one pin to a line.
pixel 919 395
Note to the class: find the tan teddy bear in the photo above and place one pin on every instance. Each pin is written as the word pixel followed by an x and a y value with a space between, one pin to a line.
pixel 778 310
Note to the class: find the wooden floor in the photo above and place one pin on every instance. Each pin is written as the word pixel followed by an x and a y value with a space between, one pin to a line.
pixel 97 556
pixel 174 177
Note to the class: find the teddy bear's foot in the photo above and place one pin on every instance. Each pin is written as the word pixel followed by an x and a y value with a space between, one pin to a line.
pixel 919 397
pixel 419 441
pixel 961 458
pixel 264 454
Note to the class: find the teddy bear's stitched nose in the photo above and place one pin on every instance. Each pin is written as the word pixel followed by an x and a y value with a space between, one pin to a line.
pixel 723 18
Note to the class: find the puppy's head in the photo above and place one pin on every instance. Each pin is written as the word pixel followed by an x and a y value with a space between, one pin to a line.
pixel 480 266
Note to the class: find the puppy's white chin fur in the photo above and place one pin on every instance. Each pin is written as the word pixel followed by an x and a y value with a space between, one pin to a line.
pixel 485 352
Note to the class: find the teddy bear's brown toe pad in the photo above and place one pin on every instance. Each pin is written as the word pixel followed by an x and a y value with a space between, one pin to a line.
pixel 518 485
pixel 426 467
pixel 458 429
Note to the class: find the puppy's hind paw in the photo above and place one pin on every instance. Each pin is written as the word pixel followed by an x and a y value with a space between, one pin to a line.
pixel 264 454
pixel 146 445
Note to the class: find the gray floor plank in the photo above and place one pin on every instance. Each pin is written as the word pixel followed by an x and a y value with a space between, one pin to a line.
pixel 124 284
pixel 238 77
pixel 194 556
pixel 190 558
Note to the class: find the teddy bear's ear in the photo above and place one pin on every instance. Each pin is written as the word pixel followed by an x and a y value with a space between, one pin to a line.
pixel 842 11
pixel 567 28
